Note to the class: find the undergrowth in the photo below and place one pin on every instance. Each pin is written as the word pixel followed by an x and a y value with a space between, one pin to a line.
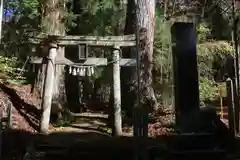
pixel 10 71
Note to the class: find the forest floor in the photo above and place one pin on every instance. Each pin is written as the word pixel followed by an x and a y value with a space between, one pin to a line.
pixel 89 128
pixel 26 115
pixel 88 133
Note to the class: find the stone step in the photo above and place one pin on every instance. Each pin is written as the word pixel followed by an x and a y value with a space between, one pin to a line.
pixel 194 141
pixel 199 154
pixel 214 151
pixel 84 155
pixel 187 154
pixel 188 144
pixel 183 141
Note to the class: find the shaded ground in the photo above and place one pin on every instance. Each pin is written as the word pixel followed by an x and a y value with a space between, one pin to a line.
pixel 26 114
pixel 21 118
pixel 88 137
pixel 66 145
pixel 92 145
pixel 88 128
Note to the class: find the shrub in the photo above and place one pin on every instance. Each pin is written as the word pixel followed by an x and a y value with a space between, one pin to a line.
pixel 9 71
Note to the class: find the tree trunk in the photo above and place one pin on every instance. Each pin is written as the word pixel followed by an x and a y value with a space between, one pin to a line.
pixel 52 23
pixel 145 21
pixel 128 74
pixel 59 93
pixel 120 12
pixel 40 78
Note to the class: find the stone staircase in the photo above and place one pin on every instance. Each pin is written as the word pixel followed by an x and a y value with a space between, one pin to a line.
pixel 194 146
pixel 185 146
pixel 82 150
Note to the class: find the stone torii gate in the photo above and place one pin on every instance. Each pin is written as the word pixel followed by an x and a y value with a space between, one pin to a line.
pixel 53 42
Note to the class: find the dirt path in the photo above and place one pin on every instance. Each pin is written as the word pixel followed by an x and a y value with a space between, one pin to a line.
pixel 26 110
pixel 19 120
pixel 26 114
pixel 25 123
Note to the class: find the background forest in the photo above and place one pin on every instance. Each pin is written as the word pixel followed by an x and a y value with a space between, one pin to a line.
pixel 23 19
